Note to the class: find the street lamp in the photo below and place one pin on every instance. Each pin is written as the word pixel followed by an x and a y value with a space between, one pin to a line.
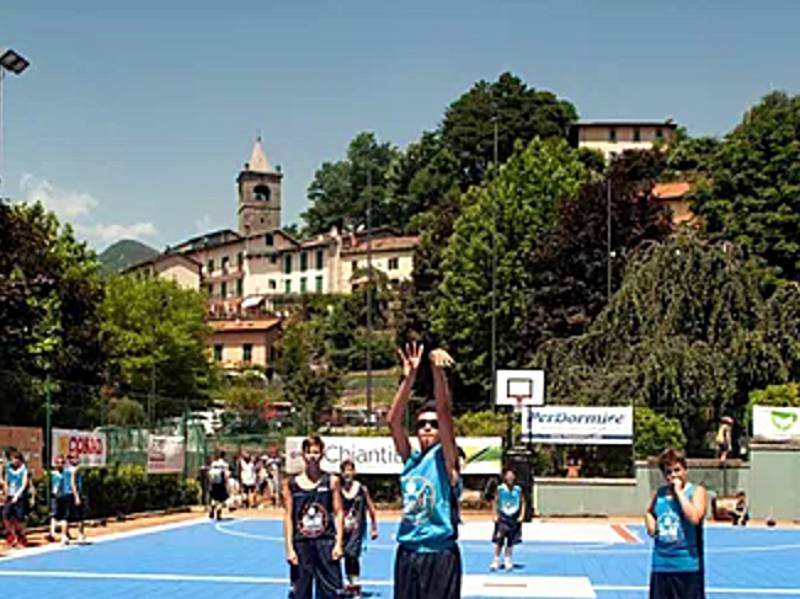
pixel 15 63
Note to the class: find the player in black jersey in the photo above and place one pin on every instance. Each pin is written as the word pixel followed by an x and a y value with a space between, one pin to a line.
pixel 313 526
pixel 356 503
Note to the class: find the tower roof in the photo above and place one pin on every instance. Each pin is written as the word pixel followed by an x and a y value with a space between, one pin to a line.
pixel 258 162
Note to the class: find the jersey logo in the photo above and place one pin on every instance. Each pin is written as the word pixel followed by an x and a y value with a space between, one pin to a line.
pixel 510 507
pixel 313 520
pixel 419 499
pixel 669 528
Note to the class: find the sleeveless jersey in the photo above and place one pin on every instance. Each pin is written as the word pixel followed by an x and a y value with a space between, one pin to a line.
pixel 678 543
pixel 312 510
pixel 14 479
pixel 428 524
pixel 66 480
pixel 55 481
pixel 355 519
pixel 509 502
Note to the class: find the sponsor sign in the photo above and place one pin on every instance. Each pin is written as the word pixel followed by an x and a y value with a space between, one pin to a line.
pixel 776 424
pixel 165 454
pixel 574 425
pixel 377 455
pixel 91 447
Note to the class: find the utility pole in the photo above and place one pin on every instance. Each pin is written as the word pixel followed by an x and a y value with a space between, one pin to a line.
pixel 369 292
pixel 492 399
pixel 608 240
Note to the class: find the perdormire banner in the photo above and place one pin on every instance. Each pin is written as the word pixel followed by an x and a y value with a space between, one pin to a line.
pixel 573 425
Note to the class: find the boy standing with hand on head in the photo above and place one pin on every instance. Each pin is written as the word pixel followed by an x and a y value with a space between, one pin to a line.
pixel 674 519
pixel 428 561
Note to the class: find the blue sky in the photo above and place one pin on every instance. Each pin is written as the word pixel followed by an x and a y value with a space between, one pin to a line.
pixel 135 121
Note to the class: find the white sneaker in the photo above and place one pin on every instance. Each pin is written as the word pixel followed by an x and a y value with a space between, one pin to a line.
pixel 64 541
pixel 494 565
pixel 508 564
pixel 81 538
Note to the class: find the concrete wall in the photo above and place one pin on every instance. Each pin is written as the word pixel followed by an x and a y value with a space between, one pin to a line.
pixel 774 489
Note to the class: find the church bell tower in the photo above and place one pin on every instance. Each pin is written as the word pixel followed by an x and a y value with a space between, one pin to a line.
pixel 259 194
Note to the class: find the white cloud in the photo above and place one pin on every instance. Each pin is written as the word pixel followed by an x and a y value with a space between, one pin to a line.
pixel 65 203
pixel 76 208
pixel 110 233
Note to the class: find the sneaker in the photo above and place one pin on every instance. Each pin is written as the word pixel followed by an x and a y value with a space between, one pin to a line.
pixel 81 538
pixel 494 565
pixel 10 539
pixel 508 564
pixel 22 540
pixel 64 541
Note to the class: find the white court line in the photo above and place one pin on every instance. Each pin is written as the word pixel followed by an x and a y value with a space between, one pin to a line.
pixel 263 580
pixel 115 536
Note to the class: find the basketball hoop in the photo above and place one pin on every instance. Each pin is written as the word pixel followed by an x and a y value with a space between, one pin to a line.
pixel 518 402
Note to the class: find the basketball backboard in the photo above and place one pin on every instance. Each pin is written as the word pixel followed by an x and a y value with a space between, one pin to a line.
pixel 519 388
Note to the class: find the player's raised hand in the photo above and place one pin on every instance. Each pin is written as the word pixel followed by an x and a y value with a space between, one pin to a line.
pixel 410 357
pixel 441 359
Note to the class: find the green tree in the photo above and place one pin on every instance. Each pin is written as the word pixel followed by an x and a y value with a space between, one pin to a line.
pixel 310 382
pixel 752 195
pixel 515 209
pixel 689 334
pixel 522 113
pixel 155 335
pixel 339 191
pixel 653 432
pixel 50 293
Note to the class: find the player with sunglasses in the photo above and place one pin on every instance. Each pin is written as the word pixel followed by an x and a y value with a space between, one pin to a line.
pixel 428 562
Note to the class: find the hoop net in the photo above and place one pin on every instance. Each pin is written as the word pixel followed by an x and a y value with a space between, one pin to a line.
pixel 518 400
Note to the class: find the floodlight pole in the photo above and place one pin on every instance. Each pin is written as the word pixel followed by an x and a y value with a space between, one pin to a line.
pixel 369 292
pixel 608 239
pixel 13 62
pixel 493 398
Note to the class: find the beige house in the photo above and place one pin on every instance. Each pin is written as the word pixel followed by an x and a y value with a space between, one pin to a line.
pixel 614 137
pixel 181 269
pixel 674 195
pixel 243 343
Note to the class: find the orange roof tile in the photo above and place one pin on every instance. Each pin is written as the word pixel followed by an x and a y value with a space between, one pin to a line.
pixel 384 244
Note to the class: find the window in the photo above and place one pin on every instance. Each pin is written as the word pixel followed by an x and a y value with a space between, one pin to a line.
pixel 320 259
pixel 269 240
pixel 210 291
pixel 612 135
pixel 287 264
pixel 273 259
pixel 261 193
pixel 273 284
pixel 240 259
pixel 287 286
pixel 637 134
pixel 247 353
pixel 355 265
pixel 210 266
pixel 303 261
pixel 302 284
pixel 239 287
pixel 659 133
pixel 218 353
pixel 318 284
pixel 394 263
pixel 223 290
pixel 225 261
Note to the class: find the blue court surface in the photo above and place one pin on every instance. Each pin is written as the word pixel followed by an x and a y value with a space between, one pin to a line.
pixel 244 557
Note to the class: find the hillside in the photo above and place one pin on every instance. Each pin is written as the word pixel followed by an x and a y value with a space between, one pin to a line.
pixel 122 254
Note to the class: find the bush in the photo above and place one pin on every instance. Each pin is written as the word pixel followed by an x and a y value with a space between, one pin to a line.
pixel 122 489
pixel 654 432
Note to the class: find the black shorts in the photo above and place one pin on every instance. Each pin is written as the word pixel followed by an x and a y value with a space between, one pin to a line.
pixel 247 489
pixel 74 510
pixel 16 511
pixel 507 532
pixel 59 505
pixel 316 569
pixel 427 575
pixel 219 492
pixel 677 585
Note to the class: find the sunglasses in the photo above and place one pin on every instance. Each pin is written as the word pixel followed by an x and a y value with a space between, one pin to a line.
pixel 434 424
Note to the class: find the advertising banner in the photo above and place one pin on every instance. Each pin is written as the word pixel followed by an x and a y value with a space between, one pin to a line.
pixel 573 425
pixel 376 455
pixel 165 454
pixel 90 447
pixel 776 424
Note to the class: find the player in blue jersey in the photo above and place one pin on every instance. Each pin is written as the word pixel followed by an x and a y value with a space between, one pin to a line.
pixel 509 510
pixel 313 527
pixel 674 519
pixel 15 509
pixel 72 491
pixel 428 561
pixel 57 505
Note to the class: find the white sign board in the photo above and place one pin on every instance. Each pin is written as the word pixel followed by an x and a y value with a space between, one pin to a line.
pixel 91 447
pixel 573 425
pixel 165 454
pixel 377 455
pixel 776 424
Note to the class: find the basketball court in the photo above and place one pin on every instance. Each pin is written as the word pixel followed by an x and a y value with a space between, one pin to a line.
pixel 244 557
